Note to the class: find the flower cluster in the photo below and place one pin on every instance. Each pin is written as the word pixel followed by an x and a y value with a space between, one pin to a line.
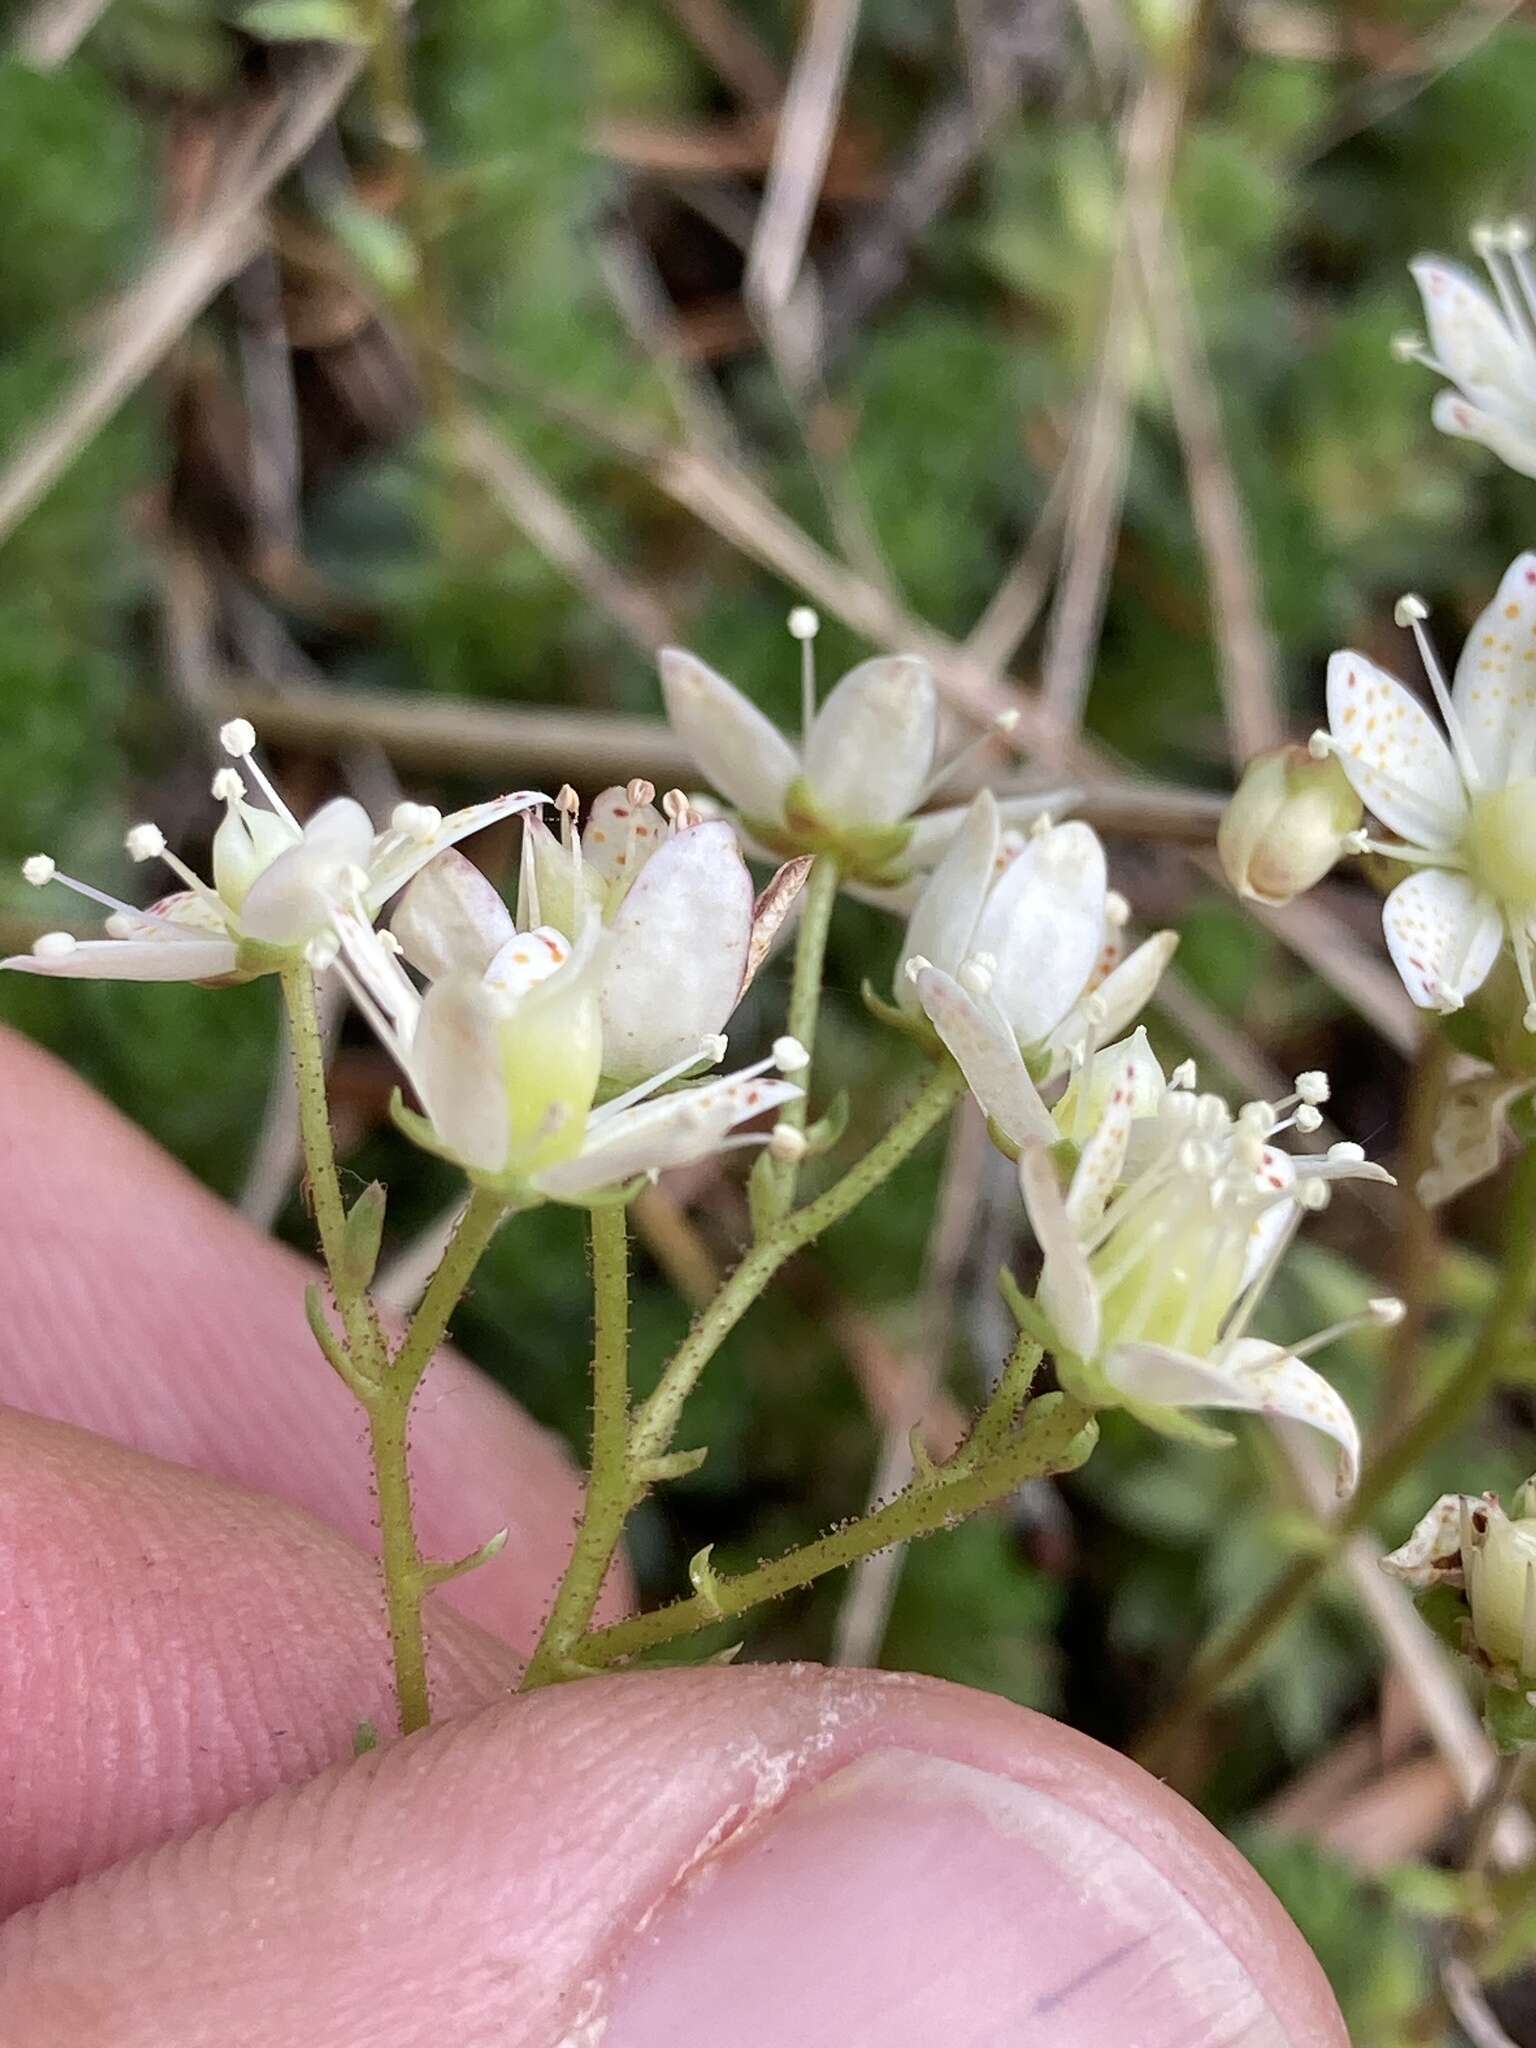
pixel 1158 1248
pixel 1484 346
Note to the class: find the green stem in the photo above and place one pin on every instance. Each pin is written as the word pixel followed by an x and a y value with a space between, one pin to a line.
pixel 816 905
pixel 1056 1436
pixel 610 1492
pixel 384 1385
pixel 1488 1360
pixel 655 1422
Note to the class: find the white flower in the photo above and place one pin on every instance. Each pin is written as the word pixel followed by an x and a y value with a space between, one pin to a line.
pixel 1467 1541
pixel 1487 350
pixel 865 765
pixel 276 883
pixel 505 1049
pixel 685 933
pixel 1013 948
pixel 1464 811
pixel 1159 1250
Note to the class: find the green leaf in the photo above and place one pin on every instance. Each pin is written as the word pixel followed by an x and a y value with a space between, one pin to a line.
pixel 303 21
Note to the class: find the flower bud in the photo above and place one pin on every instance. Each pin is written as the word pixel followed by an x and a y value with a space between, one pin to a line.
pixel 1286 824
pixel 1501 1593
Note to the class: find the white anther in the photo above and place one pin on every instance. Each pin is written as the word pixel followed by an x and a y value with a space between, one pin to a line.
pixel 1386 1311
pixel 975 976
pixel 787 1145
pixel 1313 1194
pixel 1356 841
pixel 1212 1113
pixel 144 842
pixel 713 1047
pixel 789 1055
pixel 1249 1147
pixel 1184 1075
pixel 122 925
pixel 1410 611
pixel 39 869
pixel 1117 911
pixel 228 786
pixel 238 737
pixel 917 965
pixel 1007 721
pixel 1485 239
pixel 322 950
pixel 1407 348
pixel 1307 1119
pixel 1313 1086
pixel 1529 1019
pixel 567 800
pixel 804 623
pixel 1320 744
pixel 1517 236
pixel 1344 1153
pixel 1095 1009
pixel 53 946
pixel 639 791
pixel 1256 1116
pixel 1197 1159
pixel 1043 826
pixel 420 822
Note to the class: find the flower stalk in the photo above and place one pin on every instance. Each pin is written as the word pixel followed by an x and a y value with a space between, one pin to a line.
pixel 780 1175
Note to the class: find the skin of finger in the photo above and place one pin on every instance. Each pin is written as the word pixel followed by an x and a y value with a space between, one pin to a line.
pixel 140 1307
pixel 753 1856
pixel 173 1647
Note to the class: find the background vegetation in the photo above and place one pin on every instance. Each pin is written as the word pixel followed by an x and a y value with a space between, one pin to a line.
pixel 406 414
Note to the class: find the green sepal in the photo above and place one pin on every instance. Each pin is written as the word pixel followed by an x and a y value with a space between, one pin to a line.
pixel 917 1028
pixel 671 1465
pixel 253 958
pixel 1510 1718
pixel 705 1582
pixel 762 1193
pixel 1179 1426
pixel 864 853
pixel 418 1129
pixel 435 1574
pixel 360 1241
pixel 829 1127
pixel 335 1351
pixel 1028 1314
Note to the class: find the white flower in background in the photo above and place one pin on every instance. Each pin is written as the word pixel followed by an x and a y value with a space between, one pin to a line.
pixel 1159 1249
pixel 865 765
pixel 1485 346
pixel 1463 805
pixel 505 1049
pixel 685 933
pixel 1012 952
pixel 1468 1542
pixel 276 883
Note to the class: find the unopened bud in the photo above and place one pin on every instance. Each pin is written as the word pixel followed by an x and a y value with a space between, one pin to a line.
pixel 1286 824
pixel 1501 1593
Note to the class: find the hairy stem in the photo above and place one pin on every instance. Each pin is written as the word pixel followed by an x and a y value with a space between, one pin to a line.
pixel 804 1009
pixel 1488 1359
pixel 655 1422
pixel 610 1493
pixel 384 1385
pixel 1056 1435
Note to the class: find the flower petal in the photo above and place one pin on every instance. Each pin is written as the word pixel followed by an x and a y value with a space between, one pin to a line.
pixel 1124 992
pixel 1443 934
pixel 160 959
pixel 527 961
pixel 1102 1158
pixel 291 899
pixel 671 1131
pixel 1078 1112
pixel 1042 925
pixel 1432 1554
pixel 620 836
pixel 395 858
pixel 741 752
pixel 869 753
pixel 677 954
pixel 1514 444
pixel 987 1053
pixel 1254 1376
pixel 946 913
pixel 1468 1136
pixel 1394 753
pixel 1068 1293
pixel 556 886
pixel 933 832
pixel 451 917
pixel 1495 688
pixel 456 1069
pixel 1469 334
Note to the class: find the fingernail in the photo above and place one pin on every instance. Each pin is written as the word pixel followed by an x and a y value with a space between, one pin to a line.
pixel 911 1900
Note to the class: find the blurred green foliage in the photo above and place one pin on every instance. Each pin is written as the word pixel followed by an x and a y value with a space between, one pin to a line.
pixel 1300 200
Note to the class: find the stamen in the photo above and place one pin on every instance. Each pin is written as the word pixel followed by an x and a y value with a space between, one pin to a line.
pixel 1492 244
pixel 53 946
pixel 1411 611
pixel 238 737
pixel 1384 1312
pixel 1184 1075
pixel 1517 243
pixel 789 1055
pixel 147 842
pixel 568 804
pixel 1313 1086
pixel 40 869
pixel 228 786
pixel 678 812
pixel 1528 1623
pixel 787 1144
pixel 640 793
pixel 711 1050
pixel 1520 942
pixel 1004 723
pixel 144 842
pixel 1253 1293
pixel 1413 348
pixel 804 625
pixel 421 822
pixel 1117 912
pixel 528 913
